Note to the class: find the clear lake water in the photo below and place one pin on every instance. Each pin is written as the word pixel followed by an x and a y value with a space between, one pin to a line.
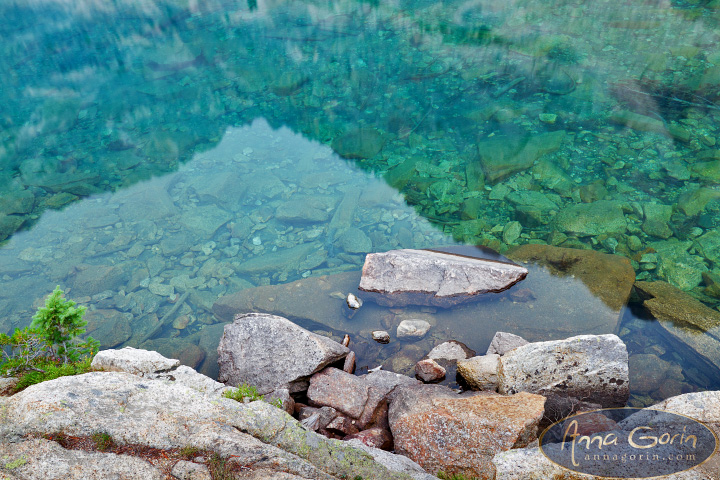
pixel 158 156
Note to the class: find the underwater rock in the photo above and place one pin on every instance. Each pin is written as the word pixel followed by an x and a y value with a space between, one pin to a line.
pixel 709 171
pixel 676 265
pixel 286 259
pixel 9 224
pixel 585 368
pixel 693 202
pixel 648 372
pixel 480 372
pixel 354 240
pixel 291 300
pixel 504 342
pixel 92 279
pixel 639 122
pixel 306 209
pixel 685 320
pixel 708 245
pixel 271 352
pixel 656 221
pixel 503 156
pixel 109 327
pixel 205 220
pixel 590 219
pixel 413 329
pixel 424 277
pixel 441 430
pixel 451 350
pixel 535 208
pixel 364 142
pixel 288 83
pixel 553 177
pixel 609 277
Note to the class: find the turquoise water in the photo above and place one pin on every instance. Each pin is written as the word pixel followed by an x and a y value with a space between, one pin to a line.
pixel 156 156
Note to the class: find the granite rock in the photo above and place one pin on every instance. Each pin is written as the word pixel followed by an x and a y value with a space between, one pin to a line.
pixel 441 430
pixel 503 342
pixel 271 352
pixel 571 372
pixel 424 277
pixel 480 372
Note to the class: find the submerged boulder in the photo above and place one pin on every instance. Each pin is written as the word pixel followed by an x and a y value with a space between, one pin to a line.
pixel 685 321
pixel 609 277
pixel 425 277
pixel 270 352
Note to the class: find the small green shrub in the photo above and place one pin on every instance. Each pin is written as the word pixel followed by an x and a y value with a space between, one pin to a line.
pixel 49 370
pixel 103 441
pixel 220 468
pixel 50 347
pixel 189 452
pixel 60 323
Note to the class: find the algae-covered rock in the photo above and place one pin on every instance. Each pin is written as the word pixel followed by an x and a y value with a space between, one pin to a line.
pixel 589 219
pixel 364 142
pixel 503 156
pixel 610 277
pixel 684 320
pixel 693 202
pixel 676 265
pixel 656 221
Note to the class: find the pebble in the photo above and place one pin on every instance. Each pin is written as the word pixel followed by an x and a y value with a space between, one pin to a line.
pixel 413 329
pixel 381 336
pixel 353 301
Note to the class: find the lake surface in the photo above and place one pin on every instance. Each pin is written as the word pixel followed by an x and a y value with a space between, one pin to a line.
pixel 157 156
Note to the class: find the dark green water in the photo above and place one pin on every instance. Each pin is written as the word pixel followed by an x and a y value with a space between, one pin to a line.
pixel 161 152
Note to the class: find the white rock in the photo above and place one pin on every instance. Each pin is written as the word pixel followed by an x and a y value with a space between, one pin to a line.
pixel 381 336
pixel 587 368
pixel 503 342
pixel 133 360
pixel 424 277
pixel 413 329
pixel 452 350
pixel 480 372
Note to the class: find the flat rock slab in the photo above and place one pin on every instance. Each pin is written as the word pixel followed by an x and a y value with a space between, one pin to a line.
pixel 290 300
pixel 133 360
pixel 424 277
pixel 583 369
pixel 271 352
pixel 441 430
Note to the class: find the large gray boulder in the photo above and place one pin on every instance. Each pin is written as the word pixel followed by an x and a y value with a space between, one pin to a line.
pixel 270 352
pixel 425 277
pixel 459 434
pixel 576 373
pixel 163 414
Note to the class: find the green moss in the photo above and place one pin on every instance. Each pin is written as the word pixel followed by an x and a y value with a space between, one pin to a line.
pixel 103 441
pixel 16 463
